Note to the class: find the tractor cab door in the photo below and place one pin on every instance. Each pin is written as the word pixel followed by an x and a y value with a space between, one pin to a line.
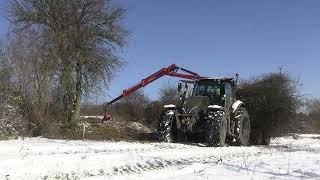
pixel 228 95
pixel 185 89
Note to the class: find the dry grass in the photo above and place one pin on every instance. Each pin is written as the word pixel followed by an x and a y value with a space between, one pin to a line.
pixel 114 131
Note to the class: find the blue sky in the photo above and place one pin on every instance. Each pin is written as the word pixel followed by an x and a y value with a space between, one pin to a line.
pixel 220 38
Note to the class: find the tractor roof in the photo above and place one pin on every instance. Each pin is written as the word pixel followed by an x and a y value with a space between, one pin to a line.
pixel 218 78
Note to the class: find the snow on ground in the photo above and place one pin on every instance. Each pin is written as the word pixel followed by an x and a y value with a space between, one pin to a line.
pixel 40 158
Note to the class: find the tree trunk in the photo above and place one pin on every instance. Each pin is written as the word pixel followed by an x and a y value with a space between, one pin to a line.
pixel 77 100
pixel 67 95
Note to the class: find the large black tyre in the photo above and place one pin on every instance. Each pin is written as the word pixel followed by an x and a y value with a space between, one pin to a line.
pixel 242 127
pixel 217 132
pixel 165 129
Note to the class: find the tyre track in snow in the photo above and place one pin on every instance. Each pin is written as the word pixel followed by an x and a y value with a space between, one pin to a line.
pixel 91 151
pixel 153 147
pixel 77 160
pixel 157 163
pixel 213 158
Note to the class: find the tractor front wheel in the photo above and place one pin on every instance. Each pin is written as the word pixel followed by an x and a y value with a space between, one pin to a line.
pixel 166 127
pixel 217 131
pixel 242 127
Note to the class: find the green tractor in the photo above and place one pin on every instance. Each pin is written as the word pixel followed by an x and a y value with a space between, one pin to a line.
pixel 208 109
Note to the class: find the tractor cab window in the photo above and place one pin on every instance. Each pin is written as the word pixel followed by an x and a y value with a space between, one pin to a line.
pixel 202 90
pixel 213 90
pixel 209 88
pixel 185 88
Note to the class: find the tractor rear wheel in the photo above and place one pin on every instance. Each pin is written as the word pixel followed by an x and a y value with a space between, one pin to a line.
pixel 242 127
pixel 166 127
pixel 217 131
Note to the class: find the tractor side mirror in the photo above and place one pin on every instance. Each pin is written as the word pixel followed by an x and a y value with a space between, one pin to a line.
pixel 179 87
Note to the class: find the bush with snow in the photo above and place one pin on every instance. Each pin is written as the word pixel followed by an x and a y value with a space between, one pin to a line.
pixel 11 121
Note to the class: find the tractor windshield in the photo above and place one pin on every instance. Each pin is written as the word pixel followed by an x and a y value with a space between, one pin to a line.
pixel 210 88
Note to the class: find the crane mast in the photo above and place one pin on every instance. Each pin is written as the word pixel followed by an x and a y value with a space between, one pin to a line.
pixel 171 70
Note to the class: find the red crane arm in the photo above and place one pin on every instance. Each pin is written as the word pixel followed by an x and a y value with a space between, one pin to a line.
pixel 170 71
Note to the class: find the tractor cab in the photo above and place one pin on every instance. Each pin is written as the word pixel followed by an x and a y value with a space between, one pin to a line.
pixel 209 91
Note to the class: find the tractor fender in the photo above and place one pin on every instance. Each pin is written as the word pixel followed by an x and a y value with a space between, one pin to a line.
pixel 235 105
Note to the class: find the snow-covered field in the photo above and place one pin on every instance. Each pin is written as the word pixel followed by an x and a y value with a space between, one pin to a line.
pixel 39 158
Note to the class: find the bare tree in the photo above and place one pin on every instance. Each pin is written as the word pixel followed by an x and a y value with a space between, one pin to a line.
pixel 5 68
pixel 33 75
pixel 83 38
pixel 11 122
pixel 168 94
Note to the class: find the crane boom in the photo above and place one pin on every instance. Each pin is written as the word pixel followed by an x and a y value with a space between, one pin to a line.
pixel 169 71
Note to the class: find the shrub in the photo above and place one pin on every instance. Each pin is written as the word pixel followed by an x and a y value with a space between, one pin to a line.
pixel 271 99
pixel 12 123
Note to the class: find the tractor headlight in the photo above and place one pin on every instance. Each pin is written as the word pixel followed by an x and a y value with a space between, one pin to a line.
pixel 185 121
